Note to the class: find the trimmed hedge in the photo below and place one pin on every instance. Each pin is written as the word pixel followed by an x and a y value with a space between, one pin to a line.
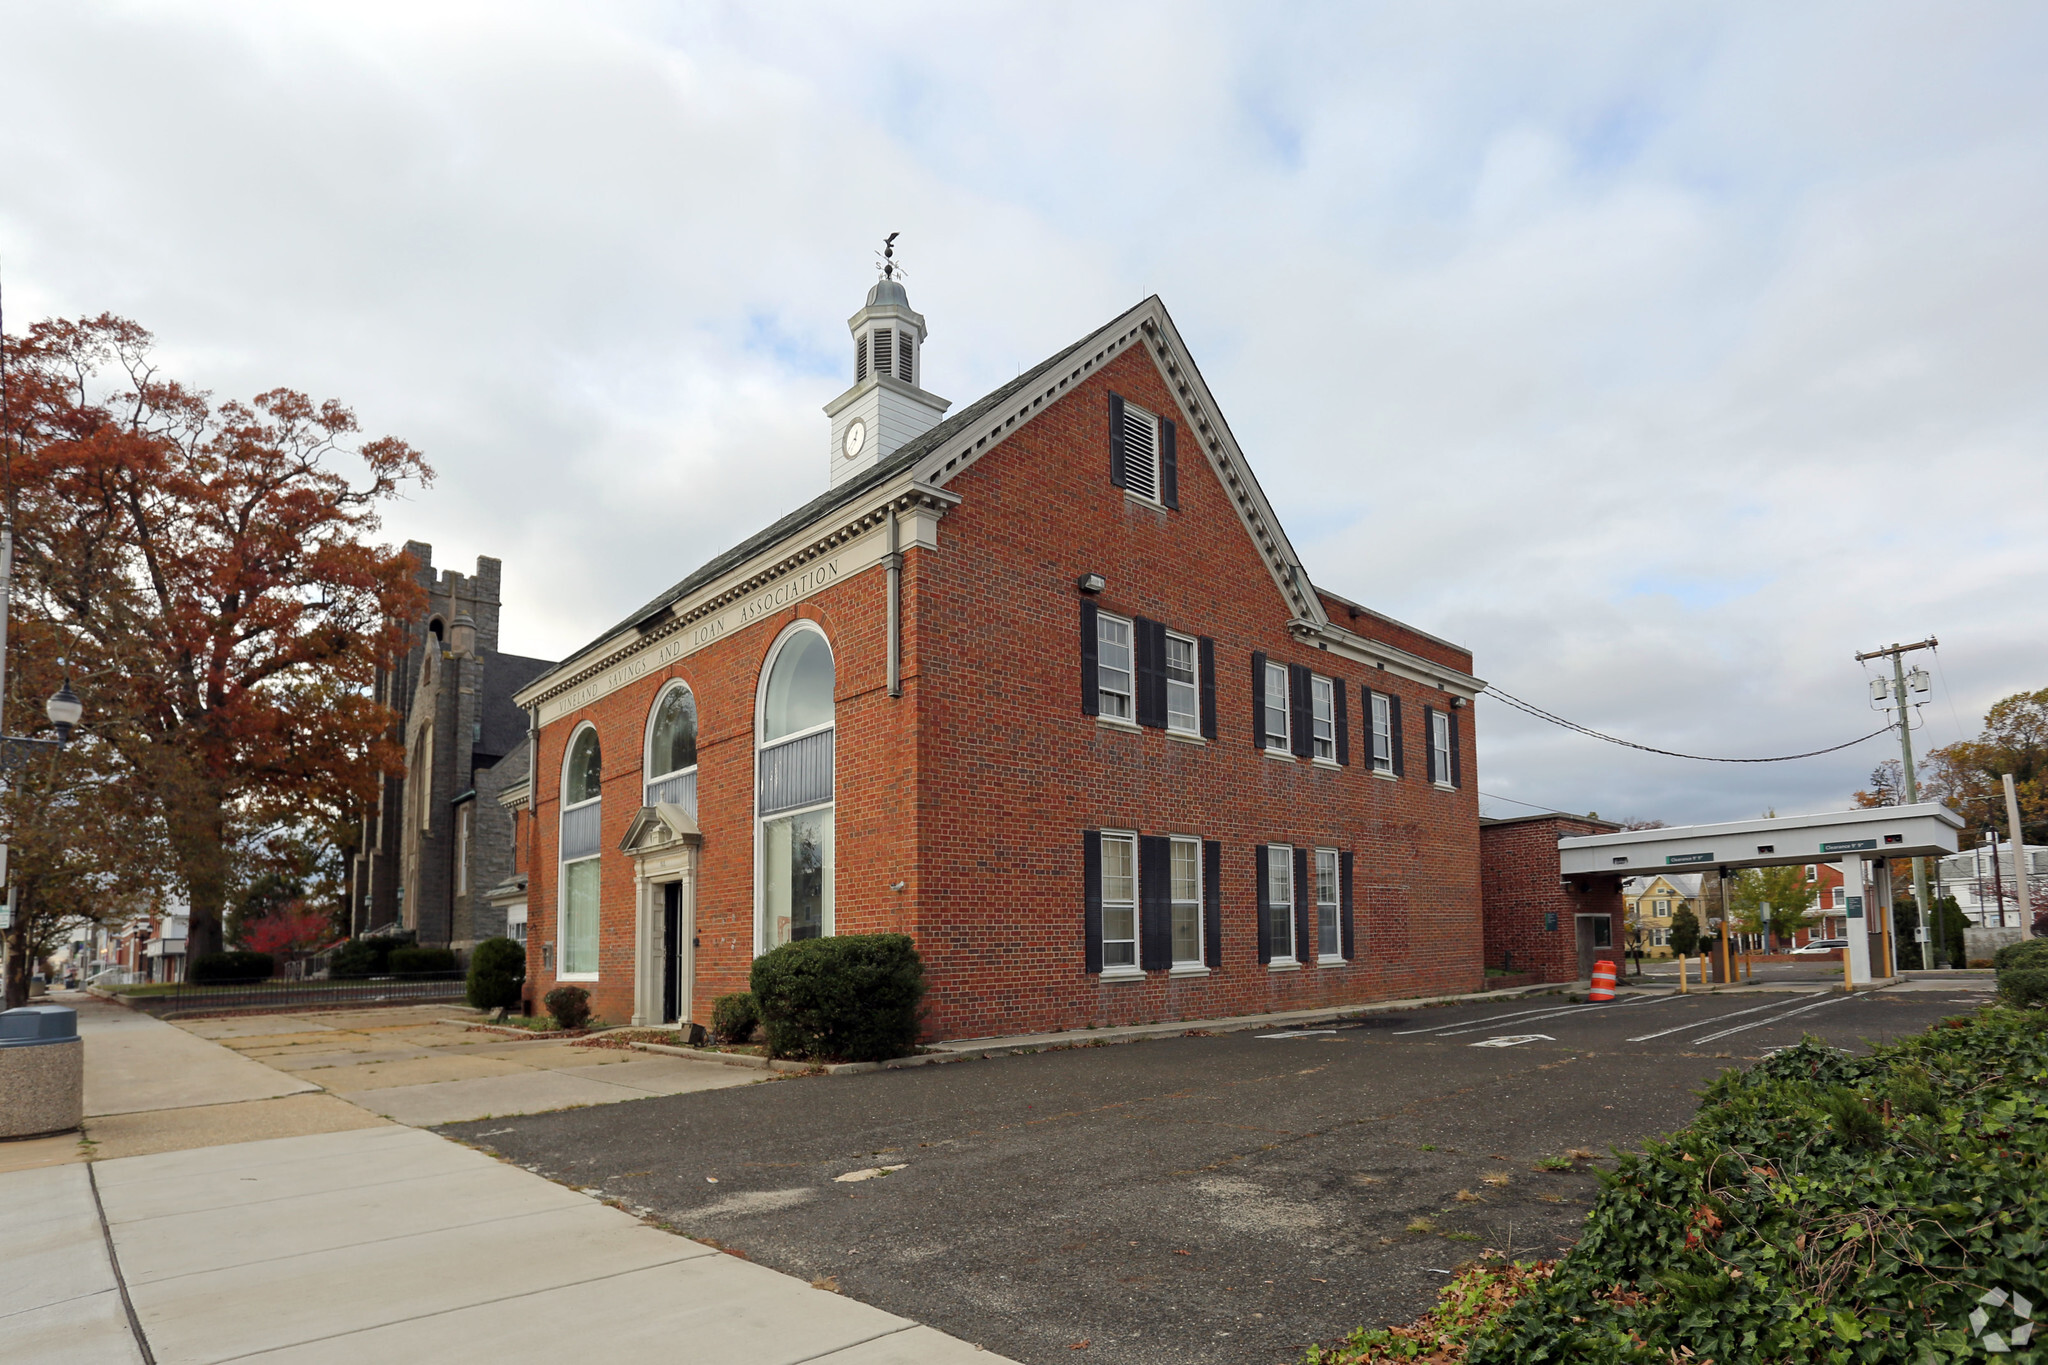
pixel 422 961
pixel 853 998
pixel 361 957
pixel 2029 954
pixel 569 1006
pixel 2023 986
pixel 1820 1207
pixel 734 1018
pixel 497 974
pixel 210 969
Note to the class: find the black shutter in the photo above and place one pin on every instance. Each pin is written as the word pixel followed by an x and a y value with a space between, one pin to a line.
pixel 1265 910
pixel 1208 660
pixel 1155 903
pixel 1301 712
pixel 1343 720
pixel 1091 696
pixel 1347 914
pixel 1169 468
pixel 1304 910
pixel 1116 440
pixel 1148 672
pixel 1457 753
pixel 1429 741
pixel 1091 900
pixel 1212 904
pixel 1258 700
pixel 1394 732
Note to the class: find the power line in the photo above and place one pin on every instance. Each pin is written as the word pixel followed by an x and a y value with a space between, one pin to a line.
pixel 1530 708
pixel 1547 810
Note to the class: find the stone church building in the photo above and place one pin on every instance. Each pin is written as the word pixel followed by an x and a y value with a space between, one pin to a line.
pixel 1040 682
pixel 440 839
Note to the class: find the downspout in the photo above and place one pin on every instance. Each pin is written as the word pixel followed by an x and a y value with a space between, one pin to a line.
pixel 894 559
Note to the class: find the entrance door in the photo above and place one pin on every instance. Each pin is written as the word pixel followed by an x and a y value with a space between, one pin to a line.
pixel 671 951
pixel 1596 937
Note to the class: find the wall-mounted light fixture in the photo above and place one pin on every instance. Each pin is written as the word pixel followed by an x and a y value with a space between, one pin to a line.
pixel 1457 703
pixel 1092 582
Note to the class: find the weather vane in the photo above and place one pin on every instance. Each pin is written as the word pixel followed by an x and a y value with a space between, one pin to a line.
pixel 889 267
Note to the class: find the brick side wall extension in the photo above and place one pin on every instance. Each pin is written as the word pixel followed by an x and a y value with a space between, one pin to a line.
pixel 1522 888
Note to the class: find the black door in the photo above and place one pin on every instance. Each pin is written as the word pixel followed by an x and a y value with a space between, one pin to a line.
pixel 671 914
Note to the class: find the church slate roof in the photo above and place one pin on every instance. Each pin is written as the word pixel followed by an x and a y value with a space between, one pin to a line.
pixel 504 723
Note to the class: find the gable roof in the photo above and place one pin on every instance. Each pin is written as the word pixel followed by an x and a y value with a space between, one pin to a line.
pixel 934 458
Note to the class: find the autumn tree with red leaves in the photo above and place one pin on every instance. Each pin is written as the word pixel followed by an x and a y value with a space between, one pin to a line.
pixel 206 569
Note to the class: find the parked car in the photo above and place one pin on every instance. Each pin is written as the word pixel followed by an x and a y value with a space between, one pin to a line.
pixel 1823 945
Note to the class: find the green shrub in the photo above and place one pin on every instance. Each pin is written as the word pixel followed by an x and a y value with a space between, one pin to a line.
pixel 853 998
pixel 734 1017
pixel 211 968
pixel 2024 986
pixel 2029 954
pixel 410 961
pixel 361 957
pixel 497 974
pixel 569 1006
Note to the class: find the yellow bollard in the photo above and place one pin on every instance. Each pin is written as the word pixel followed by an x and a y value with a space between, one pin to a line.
pixel 1681 973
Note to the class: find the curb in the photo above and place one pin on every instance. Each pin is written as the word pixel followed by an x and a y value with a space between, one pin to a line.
pixel 745 1059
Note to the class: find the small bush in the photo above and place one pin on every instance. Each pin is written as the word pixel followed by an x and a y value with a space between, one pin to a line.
pixel 361 957
pixel 2029 954
pixel 497 974
pixel 212 968
pixel 569 1006
pixel 854 998
pixel 734 1018
pixel 421 961
pixel 2024 986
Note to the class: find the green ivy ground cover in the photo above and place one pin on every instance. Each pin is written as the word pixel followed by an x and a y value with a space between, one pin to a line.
pixel 1820 1207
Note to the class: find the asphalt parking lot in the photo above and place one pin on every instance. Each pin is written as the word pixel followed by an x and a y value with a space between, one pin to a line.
pixel 1195 1199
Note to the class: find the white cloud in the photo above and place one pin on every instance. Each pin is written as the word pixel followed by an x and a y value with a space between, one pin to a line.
pixel 1665 361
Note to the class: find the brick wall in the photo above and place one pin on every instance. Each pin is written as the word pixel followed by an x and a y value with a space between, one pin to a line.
pixel 1522 892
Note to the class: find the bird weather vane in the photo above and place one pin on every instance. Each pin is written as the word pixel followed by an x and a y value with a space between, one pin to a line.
pixel 888 264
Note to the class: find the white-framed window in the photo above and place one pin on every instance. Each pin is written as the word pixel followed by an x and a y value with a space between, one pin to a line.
pixel 1323 717
pixel 515 923
pixel 1141 453
pixel 1329 939
pixel 1440 747
pixel 1184 894
pixel 1663 907
pixel 1113 666
pixel 671 762
pixel 576 926
pixel 1835 897
pixel 793 788
pixel 1277 736
pixel 1280 900
pixel 1183 692
pixel 463 814
pixel 1382 734
pixel 1119 901
pixel 1812 873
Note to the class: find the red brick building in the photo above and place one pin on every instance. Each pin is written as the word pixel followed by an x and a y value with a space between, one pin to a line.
pixel 1042 684
pixel 1536 921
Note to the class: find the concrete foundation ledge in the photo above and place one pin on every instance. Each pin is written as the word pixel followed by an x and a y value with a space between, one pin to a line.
pixel 42 1087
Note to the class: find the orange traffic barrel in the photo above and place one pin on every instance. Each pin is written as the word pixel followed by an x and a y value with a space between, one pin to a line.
pixel 1603 981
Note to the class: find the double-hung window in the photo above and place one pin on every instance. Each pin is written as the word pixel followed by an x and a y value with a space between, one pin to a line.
pixel 1323 718
pixel 1113 666
pixel 1275 709
pixel 1183 698
pixel 1119 902
pixel 1280 900
pixel 1329 941
pixel 1184 895
pixel 1440 747
pixel 1382 733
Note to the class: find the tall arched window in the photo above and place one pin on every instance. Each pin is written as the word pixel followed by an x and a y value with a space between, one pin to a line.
pixel 793 787
pixel 582 802
pixel 672 748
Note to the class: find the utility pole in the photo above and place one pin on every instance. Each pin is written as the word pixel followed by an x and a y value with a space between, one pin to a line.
pixel 1897 654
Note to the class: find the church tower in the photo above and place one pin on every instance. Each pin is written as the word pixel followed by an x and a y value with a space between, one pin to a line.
pixel 887 407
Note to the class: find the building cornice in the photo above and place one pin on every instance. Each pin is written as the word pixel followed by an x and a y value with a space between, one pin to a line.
pixel 1399 662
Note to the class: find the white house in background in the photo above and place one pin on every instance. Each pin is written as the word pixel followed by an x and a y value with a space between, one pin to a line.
pixel 1967 876
pixel 163 956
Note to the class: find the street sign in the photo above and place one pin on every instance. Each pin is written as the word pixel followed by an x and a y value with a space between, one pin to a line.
pixel 1688 858
pixel 1848 846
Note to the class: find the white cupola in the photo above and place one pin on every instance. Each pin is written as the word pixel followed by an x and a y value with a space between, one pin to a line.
pixel 887 407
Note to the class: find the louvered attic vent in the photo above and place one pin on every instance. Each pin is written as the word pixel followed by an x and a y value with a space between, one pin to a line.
pixel 884 353
pixel 1141 453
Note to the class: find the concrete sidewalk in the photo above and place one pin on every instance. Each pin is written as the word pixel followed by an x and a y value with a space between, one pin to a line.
pixel 260 1218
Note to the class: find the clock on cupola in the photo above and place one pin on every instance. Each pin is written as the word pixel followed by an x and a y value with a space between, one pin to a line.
pixel 887 407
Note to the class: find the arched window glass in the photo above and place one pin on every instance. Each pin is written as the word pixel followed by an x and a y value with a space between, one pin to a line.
pixel 672 749
pixel 793 789
pixel 582 821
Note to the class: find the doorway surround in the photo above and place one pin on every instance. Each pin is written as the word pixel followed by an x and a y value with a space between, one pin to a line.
pixel 664 843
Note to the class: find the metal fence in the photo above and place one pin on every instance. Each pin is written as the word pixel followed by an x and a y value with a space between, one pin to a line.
pixel 423 988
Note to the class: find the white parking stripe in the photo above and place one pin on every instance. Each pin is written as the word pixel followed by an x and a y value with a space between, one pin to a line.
pixel 1695 1023
pixel 1739 1028
pixel 1498 1019
pixel 1484 1024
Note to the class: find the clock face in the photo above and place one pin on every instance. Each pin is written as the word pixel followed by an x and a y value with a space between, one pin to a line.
pixel 856 437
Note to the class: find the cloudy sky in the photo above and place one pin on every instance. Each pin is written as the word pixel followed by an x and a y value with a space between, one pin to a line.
pixel 1666 356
